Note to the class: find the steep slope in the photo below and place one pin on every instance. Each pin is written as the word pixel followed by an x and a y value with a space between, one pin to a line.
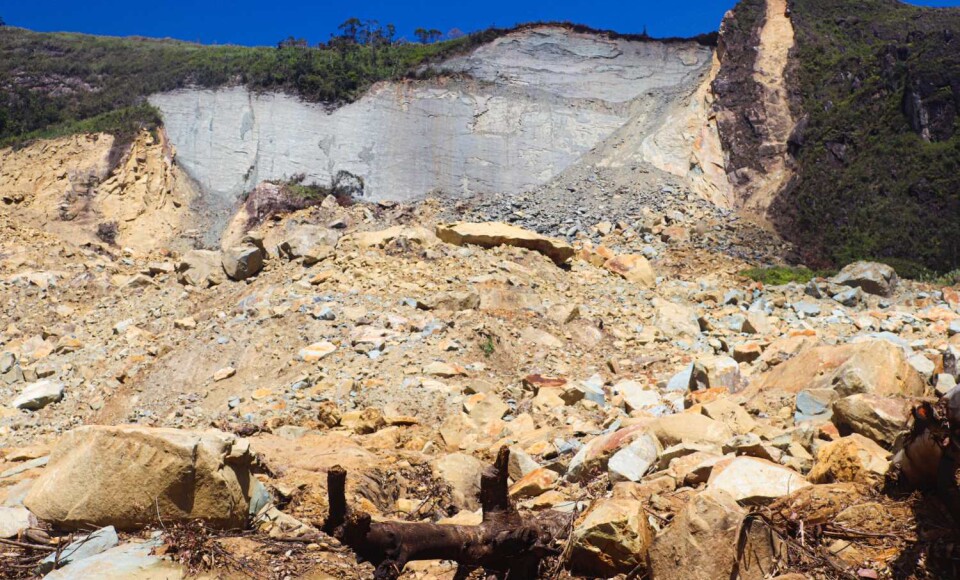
pixel 879 85
pixel 505 118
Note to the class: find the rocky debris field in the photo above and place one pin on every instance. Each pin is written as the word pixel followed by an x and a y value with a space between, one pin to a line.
pixel 185 414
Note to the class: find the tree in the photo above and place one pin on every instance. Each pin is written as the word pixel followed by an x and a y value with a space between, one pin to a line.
pixel 350 29
pixel 2 21
pixel 422 34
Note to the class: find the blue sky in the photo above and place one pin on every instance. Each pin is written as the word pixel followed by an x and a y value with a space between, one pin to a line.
pixel 259 22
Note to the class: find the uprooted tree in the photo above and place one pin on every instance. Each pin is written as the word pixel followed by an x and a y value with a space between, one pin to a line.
pixel 504 543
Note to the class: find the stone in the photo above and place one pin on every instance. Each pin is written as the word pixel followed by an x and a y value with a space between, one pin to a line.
pixel 632 462
pixel 38 395
pixel 462 472
pixel 850 297
pixel 187 323
pixel 730 414
pixel 123 476
pixel 675 320
pixel 537 482
pixel 757 322
pixel 492 234
pixel 132 560
pixel 224 374
pixel 750 480
pixel 444 370
pixel 690 428
pixel 593 457
pixel 380 239
pixel 633 268
pixel 451 301
pixel 14 521
pixel 313 243
pixel 924 366
pixel 747 352
pixel 84 547
pixel 873 366
pixel 871 277
pixel 850 459
pixel 637 396
pixel 242 262
pixel 881 419
pixel 807 309
pixel 317 351
pixel 702 539
pixel 485 408
pixel 612 539
pixel 201 268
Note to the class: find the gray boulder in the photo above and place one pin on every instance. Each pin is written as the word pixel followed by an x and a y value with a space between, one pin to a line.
pixel 871 277
pixel 38 395
pixel 242 262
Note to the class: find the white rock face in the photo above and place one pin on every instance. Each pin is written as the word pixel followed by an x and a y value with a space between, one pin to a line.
pixel 531 104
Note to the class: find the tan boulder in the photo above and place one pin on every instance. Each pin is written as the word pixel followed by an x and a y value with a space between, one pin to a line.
pixel 853 459
pixel 876 366
pixel 129 476
pixel 379 239
pixel 634 268
pixel 462 472
pixel 882 419
pixel 492 234
pixel 201 268
pixel 690 428
pixel 612 539
pixel 752 480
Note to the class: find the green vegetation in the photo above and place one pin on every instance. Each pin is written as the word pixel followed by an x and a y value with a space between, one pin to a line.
pixel 880 158
pixel 55 84
pixel 780 275
pixel 487 346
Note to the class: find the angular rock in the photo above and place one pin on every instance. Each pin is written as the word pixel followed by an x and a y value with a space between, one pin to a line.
pixel 38 395
pixel 689 428
pixel 871 277
pixel 123 476
pixel 126 561
pixel 632 462
pixel 462 472
pixel 612 539
pixel 675 320
pixel 380 239
pixel 634 268
pixel 750 480
pixel 201 268
pixel 492 234
pixel 89 545
pixel 14 521
pixel 242 262
pixel 535 483
pixel 881 419
pixel 317 351
pixel 311 242
pixel 593 457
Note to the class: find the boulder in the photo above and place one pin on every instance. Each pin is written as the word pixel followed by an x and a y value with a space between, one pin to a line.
pixel 703 540
pixel 751 480
pixel 882 419
pixel 14 521
pixel 452 301
pixel 850 459
pixel 593 457
pixel 536 482
pixel 201 268
pixel 132 560
pixel 125 476
pixel 38 395
pixel 690 428
pixel 462 472
pixel 242 262
pixel 634 268
pixel 311 242
pixel 612 539
pixel 676 321
pixel 84 547
pixel 874 366
pixel 632 462
pixel 871 277
pixel 380 239
pixel 489 235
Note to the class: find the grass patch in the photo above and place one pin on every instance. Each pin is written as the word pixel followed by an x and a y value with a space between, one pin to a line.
pixel 780 275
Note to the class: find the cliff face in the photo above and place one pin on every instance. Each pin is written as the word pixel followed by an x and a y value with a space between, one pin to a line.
pixel 505 118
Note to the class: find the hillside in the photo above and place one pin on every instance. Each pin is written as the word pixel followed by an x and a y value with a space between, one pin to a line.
pixel 878 151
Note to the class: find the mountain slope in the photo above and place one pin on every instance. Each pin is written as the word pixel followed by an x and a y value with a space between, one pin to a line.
pixel 878 150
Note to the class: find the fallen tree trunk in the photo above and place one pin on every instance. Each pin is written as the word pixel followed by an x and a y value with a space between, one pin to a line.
pixel 505 543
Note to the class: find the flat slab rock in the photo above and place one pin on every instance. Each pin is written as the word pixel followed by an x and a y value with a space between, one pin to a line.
pixel 492 234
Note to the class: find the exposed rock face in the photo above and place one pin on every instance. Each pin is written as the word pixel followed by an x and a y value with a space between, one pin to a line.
pixel 124 476
pixel 537 101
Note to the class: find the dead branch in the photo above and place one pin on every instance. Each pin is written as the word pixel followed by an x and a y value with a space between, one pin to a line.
pixel 504 543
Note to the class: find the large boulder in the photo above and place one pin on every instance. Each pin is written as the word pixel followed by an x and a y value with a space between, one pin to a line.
pixel 704 541
pixel 612 539
pixel 462 472
pixel 877 367
pixel 129 476
pixel 751 480
pixel 311 242
pixel 594 457
pixel 882 419
pixel 202 268
pixel 242 262
pixel 489 235
pixel 38 395
pixel 690 428
pixel 634 268
pixel 415 235
pixel 676 321
pixel 871 277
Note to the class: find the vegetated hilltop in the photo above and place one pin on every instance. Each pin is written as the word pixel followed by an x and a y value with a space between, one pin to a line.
pixel 62 83
pixel 878 148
